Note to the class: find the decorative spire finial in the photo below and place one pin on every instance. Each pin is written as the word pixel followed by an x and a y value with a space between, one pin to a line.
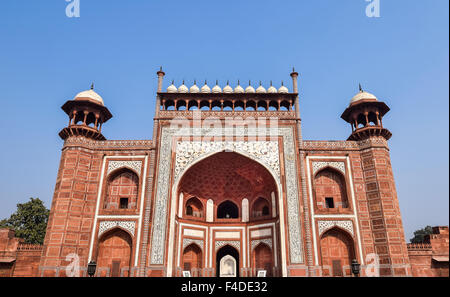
pixel 217 82
pixel 228 82
pixel 195 82
pixel 270 83
pixel 360 88
pixel 92 86
pixel 260 83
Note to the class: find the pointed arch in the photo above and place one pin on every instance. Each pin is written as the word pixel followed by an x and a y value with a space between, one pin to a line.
pixel 122 189
pixel 114 252
pixel 262 258
pixel 337 250
pixel 330 190
pixel 192 257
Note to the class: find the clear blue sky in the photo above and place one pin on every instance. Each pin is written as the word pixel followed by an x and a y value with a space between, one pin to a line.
pixel 402 57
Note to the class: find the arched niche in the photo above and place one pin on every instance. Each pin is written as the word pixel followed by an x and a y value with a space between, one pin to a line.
pixel 227 210
pixel 337 251
pixel 330 190
pixel 192 257
pixel 122 189
pixel 194 208
pixel 261 208
pixel 262 257
pixel 114 252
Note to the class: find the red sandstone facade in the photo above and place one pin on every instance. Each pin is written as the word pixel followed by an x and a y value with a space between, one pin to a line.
pixel 215 198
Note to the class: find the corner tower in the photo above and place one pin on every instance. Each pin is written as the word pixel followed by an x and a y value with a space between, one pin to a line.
pixel 378 205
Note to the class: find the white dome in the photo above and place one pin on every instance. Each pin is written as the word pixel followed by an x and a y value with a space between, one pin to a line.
pixel 205 89
pixel 216 88
pixel 171 88
pixel 238 89
pixel 194 89
pixel 90 94
pixel 183 89
pixel 362 95
pixel 249 89
pixel 227 89
pixel 283 89
pixel 261 89
pixel 271 90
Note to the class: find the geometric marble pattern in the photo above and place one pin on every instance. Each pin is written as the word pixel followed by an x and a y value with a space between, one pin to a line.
pixel 108 225
pixel 326 225
pixel 134 165
pixel 337 165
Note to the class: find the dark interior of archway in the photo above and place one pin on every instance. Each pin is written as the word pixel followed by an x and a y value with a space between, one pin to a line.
pixel 227 210
pixel 227 250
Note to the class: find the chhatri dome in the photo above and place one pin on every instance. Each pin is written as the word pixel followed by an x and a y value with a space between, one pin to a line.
pixel 90 95
pixel 362 95
pixel 216 89
pixel 227 89
pixel 283 89
pixel 183 88
pixel 171 88
pixel 205 88
pixel 194 88
pixel 239 89
pixel 249 89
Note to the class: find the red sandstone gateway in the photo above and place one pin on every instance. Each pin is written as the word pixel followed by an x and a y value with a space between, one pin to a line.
pixel 226 187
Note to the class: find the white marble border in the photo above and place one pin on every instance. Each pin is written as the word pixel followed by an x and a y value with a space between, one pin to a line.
pixel 353 216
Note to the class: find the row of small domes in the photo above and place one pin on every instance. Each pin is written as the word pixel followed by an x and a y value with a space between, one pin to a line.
pixel 227 89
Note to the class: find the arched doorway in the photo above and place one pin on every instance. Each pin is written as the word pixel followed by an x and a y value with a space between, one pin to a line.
pixel 227 262
pixel 262 258
pixel 114 252
pixel 337 251
pixel 192 258
pixel 229 185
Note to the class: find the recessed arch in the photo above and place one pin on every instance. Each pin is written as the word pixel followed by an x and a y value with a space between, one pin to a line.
pixel 194 208
pixel 122 189
pixel 228 210
pixel 114 252
pixel 337 249
pixel 176 188
pixel 192 257
pixel 330 189
pixel 262 258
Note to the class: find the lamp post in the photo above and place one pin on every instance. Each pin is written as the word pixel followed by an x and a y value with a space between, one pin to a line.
pixel 92 266
pixel 356 267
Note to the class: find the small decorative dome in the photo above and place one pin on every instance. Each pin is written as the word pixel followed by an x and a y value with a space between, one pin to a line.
pixel 90 94
pixel 183 88
pixel 249 89
pixel 194 88
pixel 216 88
pixel 271 89
pixel 362 95
pixel 227 89
pixel 205 88
pixel 238 89
pixel 283 89
pixel 260 89
pixel 172 88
